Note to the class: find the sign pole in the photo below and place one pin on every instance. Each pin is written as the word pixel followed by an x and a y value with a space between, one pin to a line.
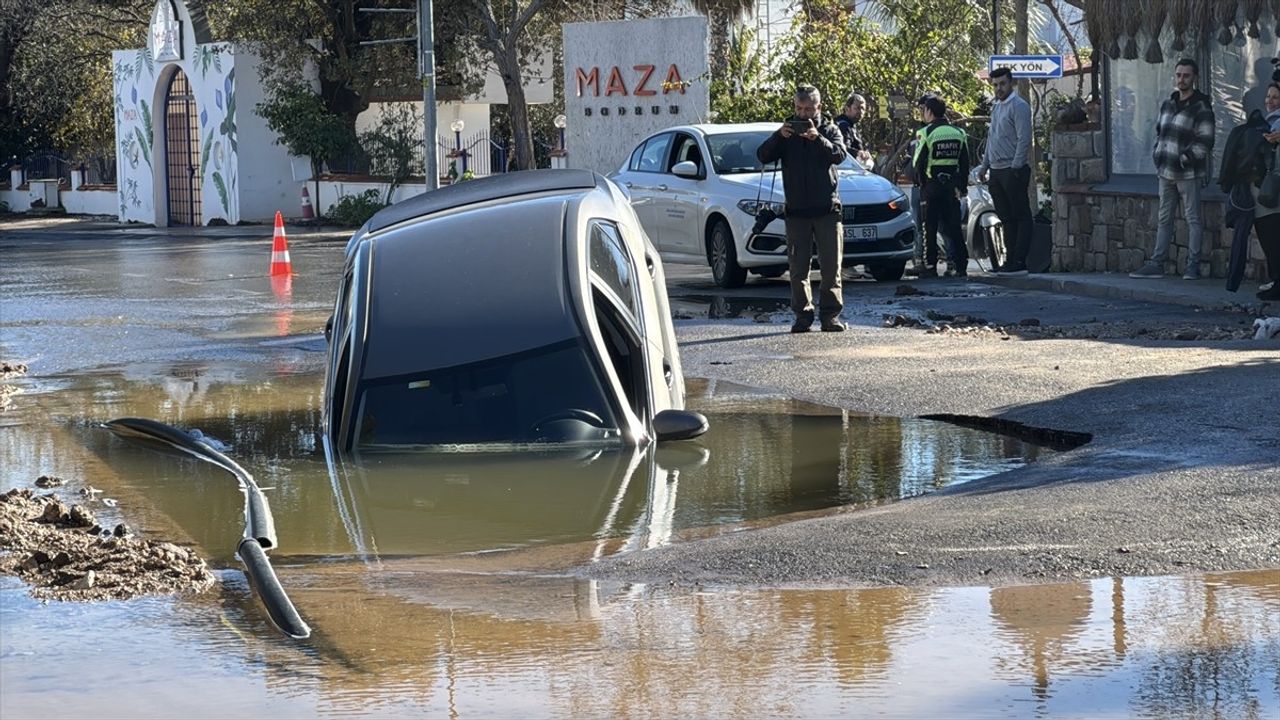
pixel 427 72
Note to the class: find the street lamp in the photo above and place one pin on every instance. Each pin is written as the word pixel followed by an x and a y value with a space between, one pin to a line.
pixel 457 126
pixel 560 122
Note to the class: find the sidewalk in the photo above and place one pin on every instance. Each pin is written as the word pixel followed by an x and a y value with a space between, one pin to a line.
pixel 1206 294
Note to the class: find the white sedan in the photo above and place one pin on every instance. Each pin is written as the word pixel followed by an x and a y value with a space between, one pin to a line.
pixel 697 190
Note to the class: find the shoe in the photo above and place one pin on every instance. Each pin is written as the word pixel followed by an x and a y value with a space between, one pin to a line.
pixel 1149 269
pixel 929 271
pixel 1272 293
pixel 1192 273
pixel 1266 286
pixel 1011 269
pixel 832 325
pixel 801 326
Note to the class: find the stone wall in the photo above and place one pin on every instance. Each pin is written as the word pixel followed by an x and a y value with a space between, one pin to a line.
pixel 1106 231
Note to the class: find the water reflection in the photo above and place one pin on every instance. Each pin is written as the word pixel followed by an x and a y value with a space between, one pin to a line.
pixel 416 641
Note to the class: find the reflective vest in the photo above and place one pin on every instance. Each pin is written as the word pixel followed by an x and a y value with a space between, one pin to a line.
pixel 943 147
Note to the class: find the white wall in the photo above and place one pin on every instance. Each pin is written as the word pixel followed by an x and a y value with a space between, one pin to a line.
pixel 267 181
pixel 332 190
pixel 603 126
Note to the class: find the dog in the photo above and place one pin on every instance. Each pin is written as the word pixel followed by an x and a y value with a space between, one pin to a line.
pixel 1266 328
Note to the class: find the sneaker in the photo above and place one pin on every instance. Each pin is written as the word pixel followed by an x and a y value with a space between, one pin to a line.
pixel 1272 293
pixel 832 325
pixel 1150 269
pixel 1192 273
pixel 1012 270
pixel 1266 286
pixel 802 326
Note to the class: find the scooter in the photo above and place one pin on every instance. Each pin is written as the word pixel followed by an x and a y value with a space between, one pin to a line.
pixel 982 229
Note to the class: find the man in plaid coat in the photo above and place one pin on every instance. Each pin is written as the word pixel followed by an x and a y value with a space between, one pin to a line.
pixel 1184 142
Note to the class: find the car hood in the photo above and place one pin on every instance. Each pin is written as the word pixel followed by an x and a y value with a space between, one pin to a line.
pixel 856 187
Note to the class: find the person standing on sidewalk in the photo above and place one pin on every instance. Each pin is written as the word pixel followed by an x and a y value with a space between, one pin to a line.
pixel 1184 142
pixel 1266 221
pixel 942 170
pixel 1006 160
pixel 847 121
pixel 810 147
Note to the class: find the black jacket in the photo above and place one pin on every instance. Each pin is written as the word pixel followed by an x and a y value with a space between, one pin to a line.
pixel 849 130
pixel 809 177
pixel 1244 158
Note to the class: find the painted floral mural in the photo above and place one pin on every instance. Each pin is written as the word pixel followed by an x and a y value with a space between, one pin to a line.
pixel 140 86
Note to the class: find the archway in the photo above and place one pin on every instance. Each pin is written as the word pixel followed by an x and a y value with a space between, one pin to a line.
pixel 182 151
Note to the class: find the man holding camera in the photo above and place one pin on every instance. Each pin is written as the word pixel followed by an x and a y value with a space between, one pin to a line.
pixel 810 147
pixel 1008 160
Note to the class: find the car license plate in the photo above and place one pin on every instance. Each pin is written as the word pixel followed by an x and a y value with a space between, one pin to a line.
pixel 859 232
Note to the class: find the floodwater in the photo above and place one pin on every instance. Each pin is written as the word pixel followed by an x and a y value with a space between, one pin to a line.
pixel 442 586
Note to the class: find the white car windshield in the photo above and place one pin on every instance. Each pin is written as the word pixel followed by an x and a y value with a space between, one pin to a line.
pixel 735 153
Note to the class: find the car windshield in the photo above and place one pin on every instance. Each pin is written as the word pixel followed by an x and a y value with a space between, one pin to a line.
pixel 549 394
pixel 735 153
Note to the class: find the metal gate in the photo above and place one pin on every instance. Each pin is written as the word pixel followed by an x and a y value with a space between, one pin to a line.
pixel 182 152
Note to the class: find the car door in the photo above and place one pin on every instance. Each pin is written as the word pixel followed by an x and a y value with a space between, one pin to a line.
pixel 645 173
pixel 679 207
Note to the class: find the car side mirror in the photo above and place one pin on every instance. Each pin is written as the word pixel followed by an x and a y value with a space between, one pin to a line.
pixel 679 425
pixel 686 169
pixel 328 329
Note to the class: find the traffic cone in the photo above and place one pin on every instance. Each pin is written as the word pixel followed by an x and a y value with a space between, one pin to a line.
pixel 280 264
pixel 308 212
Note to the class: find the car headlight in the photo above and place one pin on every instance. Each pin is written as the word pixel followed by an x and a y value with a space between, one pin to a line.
pixel 753 207
pixel 900 202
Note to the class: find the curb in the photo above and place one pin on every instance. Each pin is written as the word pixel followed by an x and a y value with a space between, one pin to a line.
pixel 1155 293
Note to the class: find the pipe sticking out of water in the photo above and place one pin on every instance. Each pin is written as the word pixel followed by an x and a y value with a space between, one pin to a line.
pixel 259 530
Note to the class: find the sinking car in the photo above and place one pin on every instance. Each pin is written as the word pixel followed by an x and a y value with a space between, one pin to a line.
pixel 523 310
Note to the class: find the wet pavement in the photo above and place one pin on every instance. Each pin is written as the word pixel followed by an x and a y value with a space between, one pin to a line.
pixel 452 588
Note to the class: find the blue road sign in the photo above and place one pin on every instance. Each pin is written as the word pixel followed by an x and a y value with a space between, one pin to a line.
pixel 1029 66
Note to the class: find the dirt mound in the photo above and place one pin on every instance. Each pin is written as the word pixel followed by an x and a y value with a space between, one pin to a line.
pixel 65 555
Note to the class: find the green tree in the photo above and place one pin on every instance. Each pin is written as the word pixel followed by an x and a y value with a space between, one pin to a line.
pixel 55 64
pixel 721 16
pixel 306 126
pixel 393 145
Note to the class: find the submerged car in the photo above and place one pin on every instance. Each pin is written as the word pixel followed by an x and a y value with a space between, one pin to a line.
pixel 698 190
pixel 522 310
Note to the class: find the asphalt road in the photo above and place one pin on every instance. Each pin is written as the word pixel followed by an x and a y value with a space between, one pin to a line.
pixel 1182 474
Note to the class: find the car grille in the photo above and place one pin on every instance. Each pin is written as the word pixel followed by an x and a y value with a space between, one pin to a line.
pixel 870 214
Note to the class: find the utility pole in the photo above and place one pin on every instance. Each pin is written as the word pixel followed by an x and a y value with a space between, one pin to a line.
pixel 427 72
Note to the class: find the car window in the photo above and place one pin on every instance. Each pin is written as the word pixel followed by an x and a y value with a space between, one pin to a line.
pixel 514 399
pixel 653 158
pixel 636 155
pixel 686 149
pixel 610 263
pixel 734 153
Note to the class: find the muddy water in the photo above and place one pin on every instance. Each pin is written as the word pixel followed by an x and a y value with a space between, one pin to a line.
pixel 437 644
pixel 439 588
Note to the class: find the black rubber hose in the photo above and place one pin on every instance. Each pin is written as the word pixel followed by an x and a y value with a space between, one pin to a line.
pixel 264 580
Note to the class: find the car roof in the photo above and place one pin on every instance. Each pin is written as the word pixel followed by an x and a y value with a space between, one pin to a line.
pixel 493 187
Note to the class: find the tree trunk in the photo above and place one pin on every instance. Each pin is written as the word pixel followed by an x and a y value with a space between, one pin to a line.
pixel 509 68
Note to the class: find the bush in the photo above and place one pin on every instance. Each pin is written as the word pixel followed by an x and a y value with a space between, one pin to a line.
pixel 355 210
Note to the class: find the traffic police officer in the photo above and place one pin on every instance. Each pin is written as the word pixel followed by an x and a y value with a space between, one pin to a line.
pixel 942 171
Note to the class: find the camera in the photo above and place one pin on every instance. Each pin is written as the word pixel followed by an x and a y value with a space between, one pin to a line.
pixel 798 126
pixel 1275 74
pixel 764 216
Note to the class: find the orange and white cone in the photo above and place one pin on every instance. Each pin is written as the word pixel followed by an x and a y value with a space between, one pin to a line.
pixel 308 212
pixel 280 264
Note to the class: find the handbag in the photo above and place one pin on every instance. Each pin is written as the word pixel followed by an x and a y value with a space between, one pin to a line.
pixel 1269 191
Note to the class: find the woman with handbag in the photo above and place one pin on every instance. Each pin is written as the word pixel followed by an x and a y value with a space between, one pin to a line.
pixel 1266 216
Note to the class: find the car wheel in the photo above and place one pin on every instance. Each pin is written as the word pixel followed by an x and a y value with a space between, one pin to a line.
pixel 723 257
pixel 770 272
pixel 887 272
